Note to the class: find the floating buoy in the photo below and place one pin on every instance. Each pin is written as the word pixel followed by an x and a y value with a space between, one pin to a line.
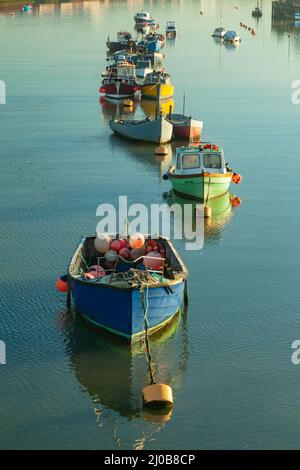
pixel 154 261
pixel 137 253
pixel 128 103
pixel 207 212
pixel 162 150
pixel 97 271
pixel 236 201
pixel 111 256
pixel 157 396
pixel 102 242
pixel 253 32
pixel 116 245
pixel 236 178
pixel 124 252
pixel 136 240
pixel 62 283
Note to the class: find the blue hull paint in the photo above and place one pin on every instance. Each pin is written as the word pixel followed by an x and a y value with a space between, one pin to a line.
pixel 121 311
pixel 154 46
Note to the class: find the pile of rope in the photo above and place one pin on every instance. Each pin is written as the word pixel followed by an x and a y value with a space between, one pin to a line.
pixel 135 278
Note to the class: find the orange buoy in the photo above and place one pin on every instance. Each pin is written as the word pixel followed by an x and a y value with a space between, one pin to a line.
pixel 157 396
pixel 236 178
pixel 62 283
pixel 236 201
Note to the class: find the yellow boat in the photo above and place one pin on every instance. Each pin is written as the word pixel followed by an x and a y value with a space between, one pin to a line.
pixel 157 86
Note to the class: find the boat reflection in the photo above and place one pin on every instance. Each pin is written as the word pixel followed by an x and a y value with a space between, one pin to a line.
pixel 221 212
pixel 114 374
pixel 153 108
pixel 117 108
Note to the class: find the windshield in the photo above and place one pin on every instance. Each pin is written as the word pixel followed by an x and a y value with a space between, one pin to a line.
pixel 212 160
pixel 191 161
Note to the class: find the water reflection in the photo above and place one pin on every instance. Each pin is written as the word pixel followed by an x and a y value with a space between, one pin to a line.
pixel 117 109
pixel 222 209
pixel 153 108
pixel 114 374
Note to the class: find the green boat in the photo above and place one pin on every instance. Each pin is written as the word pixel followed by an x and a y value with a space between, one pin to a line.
pixel 200 172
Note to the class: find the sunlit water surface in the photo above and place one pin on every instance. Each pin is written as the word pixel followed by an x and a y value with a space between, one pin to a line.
pixel 229 361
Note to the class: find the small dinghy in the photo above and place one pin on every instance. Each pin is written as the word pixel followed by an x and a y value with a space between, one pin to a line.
pixel 158 130
pixel 185 127
pixel 137 290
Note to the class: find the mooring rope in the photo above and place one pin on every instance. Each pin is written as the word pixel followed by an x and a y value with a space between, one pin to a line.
pixel 145 303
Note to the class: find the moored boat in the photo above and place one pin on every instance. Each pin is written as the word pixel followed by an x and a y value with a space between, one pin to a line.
pixel 130 300
pixel 157 85
pixel 232 37
pixel 120 81
pixel 143 19
pixel 201 172
pixel 219 32
pixel 257 12
pixel 185 127
pixel 143 68
pixel 124 42
pixel 171 30
pixel 158 130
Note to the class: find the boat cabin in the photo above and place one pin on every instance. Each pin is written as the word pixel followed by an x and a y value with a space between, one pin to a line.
pixel 125 70
pixel 205 158
pixel 232 36
pixel 157 77
pixel 123 36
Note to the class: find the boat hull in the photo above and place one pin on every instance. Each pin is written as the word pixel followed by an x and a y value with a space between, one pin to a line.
pixel 157 91
pixel 158 131
pixel 201 187
pixel 118 90
pixel 121 311
pixel 186 128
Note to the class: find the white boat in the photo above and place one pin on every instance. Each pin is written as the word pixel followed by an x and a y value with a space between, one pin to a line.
pixel 232 36
pixel 143 67
pixel 143 18
pixel 171 30
pixel 158 130
pixel 219 32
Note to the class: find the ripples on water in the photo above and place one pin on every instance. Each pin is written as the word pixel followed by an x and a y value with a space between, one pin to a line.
pixel 229 361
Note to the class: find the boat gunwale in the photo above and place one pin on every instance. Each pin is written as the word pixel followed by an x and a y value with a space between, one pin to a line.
pixel 181 276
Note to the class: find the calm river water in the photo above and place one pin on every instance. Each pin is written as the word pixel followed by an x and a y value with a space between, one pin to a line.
pixel 229 360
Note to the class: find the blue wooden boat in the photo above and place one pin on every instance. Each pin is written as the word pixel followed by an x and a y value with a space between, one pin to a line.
pixel 116 302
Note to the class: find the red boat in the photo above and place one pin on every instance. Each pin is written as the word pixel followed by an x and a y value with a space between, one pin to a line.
pixel 120 81
pixel 185 127
pixel 117 88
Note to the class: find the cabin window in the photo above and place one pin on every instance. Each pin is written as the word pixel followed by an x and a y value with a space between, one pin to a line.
pixel 212 160
pixel 178 167
pixel 191 161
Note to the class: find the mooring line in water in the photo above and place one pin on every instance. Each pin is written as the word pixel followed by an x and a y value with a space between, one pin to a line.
pixel 146 323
